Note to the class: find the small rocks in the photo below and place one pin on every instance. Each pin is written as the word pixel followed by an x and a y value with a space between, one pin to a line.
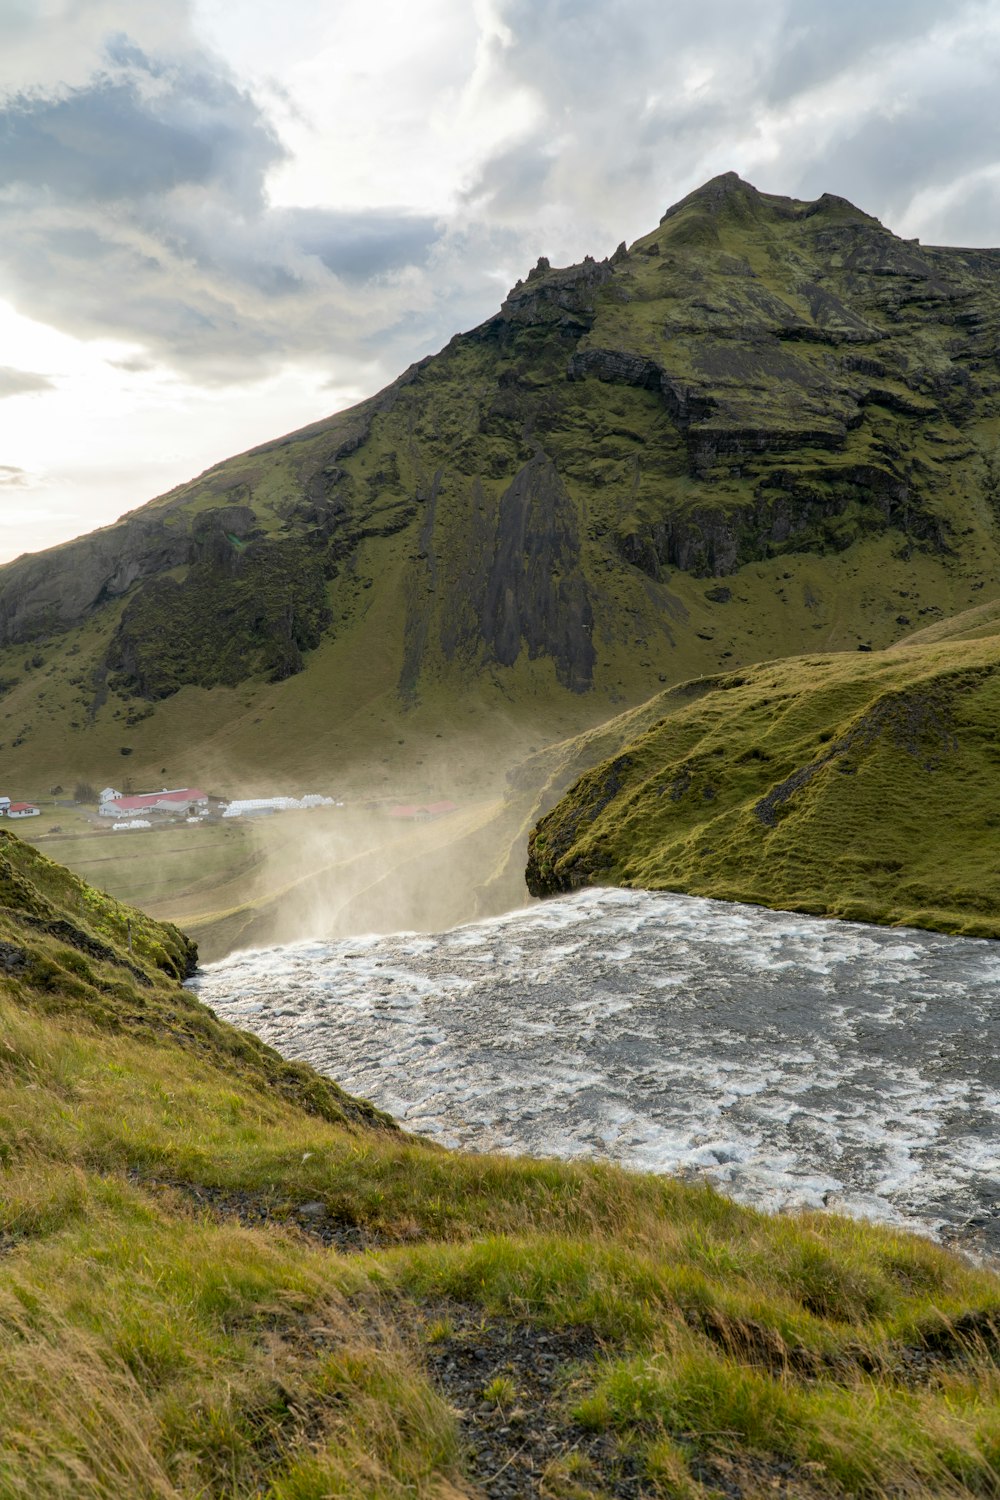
pixel 257 1210
pixel 13 960
pixel 512 1442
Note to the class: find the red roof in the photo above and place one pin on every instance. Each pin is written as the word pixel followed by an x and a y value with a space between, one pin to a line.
pixel 21 807
pixel 422 809
pixel 180 795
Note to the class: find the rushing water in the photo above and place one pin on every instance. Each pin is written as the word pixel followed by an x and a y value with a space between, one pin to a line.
pixel 790 1059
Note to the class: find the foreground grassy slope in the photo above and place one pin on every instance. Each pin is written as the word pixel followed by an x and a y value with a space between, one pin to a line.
pixel 220 1276
pixel 860 785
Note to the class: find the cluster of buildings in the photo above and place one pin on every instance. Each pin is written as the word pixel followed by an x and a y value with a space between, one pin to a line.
pixel 186 800
pixel 9 809
pixel 249 807
pixel 190 802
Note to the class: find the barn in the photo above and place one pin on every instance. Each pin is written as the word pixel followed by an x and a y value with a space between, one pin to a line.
pixel 170 800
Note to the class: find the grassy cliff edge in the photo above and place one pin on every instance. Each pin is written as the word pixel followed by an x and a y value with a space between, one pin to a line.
pixel 857 785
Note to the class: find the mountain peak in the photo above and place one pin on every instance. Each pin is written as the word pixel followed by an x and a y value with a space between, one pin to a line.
pixel 715 194
pixel 729 193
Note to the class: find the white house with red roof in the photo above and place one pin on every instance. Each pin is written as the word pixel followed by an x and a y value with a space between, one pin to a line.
pixel 23 810
pixel 170 800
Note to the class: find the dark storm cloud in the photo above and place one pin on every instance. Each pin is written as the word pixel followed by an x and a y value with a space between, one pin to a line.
pixel 136 205
pixel 20 382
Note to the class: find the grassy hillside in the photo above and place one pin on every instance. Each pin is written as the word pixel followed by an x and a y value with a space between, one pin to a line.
pixel 767 426
pixel 220 1276
pixel 860 785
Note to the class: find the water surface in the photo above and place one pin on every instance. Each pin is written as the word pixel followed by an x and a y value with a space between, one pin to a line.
pixel 793 1061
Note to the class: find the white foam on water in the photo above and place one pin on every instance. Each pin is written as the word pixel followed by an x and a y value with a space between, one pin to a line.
pixel 788 1059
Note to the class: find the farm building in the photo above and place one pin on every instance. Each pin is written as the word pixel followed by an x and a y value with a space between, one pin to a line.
pixel 251 807
pixel 23 810
pixel 175 800
pixel 4 805
pixel 422 812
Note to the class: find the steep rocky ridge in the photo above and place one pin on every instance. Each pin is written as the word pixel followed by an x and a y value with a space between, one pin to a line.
pixel 862 786
pixel 768 425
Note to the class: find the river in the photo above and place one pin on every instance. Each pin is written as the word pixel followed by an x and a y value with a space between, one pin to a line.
pixel 792 1060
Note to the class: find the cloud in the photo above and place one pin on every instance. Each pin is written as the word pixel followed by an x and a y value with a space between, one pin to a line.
pixel 934 126
pixel 635 103
pixel 19 383
pixel 14 478
pixel 136 205
pixel 136 168
pixel 820 41
pixel 140 128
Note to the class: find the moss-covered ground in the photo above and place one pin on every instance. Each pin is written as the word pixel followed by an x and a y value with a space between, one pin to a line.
pixel 220 1276
pixel 860 785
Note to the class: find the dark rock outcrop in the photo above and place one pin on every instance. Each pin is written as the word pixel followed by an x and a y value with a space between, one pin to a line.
pixel 536 595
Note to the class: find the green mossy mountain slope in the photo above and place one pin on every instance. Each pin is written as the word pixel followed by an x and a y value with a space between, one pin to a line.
pixel 220 1277
pixel 858 785
pixel 767 426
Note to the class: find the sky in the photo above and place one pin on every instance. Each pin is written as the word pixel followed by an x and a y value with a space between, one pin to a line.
pixel 223 219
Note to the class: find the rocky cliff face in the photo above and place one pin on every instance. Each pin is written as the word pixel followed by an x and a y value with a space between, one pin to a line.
pixel 778 394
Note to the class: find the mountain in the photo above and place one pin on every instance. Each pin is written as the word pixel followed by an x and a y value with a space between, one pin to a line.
pixel 767 426
pixel 855 785
pixel 220 1275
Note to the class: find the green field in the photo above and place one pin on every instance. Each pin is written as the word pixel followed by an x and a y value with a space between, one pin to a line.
pixel 328 871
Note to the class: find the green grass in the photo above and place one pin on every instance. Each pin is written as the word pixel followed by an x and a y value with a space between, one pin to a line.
pixel 169 1328
pixel 855 785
